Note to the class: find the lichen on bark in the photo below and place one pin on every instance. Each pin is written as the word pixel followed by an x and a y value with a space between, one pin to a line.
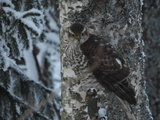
pixel 118 22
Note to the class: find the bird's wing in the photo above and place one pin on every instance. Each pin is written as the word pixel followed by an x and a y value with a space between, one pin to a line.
pixel 121 88
pixel 102 56
pixel 114 78
pixel 109 68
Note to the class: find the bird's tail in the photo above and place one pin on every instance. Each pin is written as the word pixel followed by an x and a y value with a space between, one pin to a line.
pixel 118 84
pixel 128 110
pixel 124 91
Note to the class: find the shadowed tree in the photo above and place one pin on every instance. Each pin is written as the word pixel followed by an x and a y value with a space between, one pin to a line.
pixel 151 36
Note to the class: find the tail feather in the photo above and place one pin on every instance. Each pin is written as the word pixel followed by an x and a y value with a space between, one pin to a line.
pixel 121 88
pixel 128 110
pixel 125 92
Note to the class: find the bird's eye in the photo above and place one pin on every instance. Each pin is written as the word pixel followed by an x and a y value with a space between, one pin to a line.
pixel 71 35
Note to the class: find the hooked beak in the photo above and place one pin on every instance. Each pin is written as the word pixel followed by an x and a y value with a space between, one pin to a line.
pixel 78 37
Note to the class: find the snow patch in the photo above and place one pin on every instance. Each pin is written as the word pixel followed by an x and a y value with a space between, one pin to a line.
pixel 68 72
pixel 102 113
pixel 32 25
pixel 142 3
pixel 8 2
pixel 31 65
pixel 143 54
pixel 25 20
pixel 53 37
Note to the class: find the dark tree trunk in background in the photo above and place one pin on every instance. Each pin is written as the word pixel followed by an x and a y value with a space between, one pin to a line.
pixel 151 36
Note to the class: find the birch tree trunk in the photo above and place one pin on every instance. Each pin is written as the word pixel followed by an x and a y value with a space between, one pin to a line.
pixel 119 22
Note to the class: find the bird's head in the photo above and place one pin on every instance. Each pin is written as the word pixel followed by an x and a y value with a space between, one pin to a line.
pixel 78 32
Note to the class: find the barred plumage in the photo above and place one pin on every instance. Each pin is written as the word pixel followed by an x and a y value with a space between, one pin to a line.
pixel 97 58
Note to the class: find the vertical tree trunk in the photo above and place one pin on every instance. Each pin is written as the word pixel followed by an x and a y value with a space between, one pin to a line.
pixel 151 36
pixel 118 22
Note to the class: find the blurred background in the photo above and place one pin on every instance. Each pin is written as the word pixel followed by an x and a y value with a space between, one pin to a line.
pixel 29 60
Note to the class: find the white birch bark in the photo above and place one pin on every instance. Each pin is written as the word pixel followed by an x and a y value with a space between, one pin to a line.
pixel 118 22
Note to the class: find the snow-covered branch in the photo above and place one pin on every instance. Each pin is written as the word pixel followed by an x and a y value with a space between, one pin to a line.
pixel 23 18
pixel 30 109
pixel 24 24
pixel 7 3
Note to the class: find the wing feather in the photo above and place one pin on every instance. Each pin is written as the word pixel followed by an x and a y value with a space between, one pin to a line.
pixel 109 67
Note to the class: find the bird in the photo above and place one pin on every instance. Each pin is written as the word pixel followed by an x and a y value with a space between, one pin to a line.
pixel 96 56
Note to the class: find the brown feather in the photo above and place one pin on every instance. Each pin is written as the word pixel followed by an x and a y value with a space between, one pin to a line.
pixel 109 67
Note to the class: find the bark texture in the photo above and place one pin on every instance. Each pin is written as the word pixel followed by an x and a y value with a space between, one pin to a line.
pixel 118 22
pixel 151 36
